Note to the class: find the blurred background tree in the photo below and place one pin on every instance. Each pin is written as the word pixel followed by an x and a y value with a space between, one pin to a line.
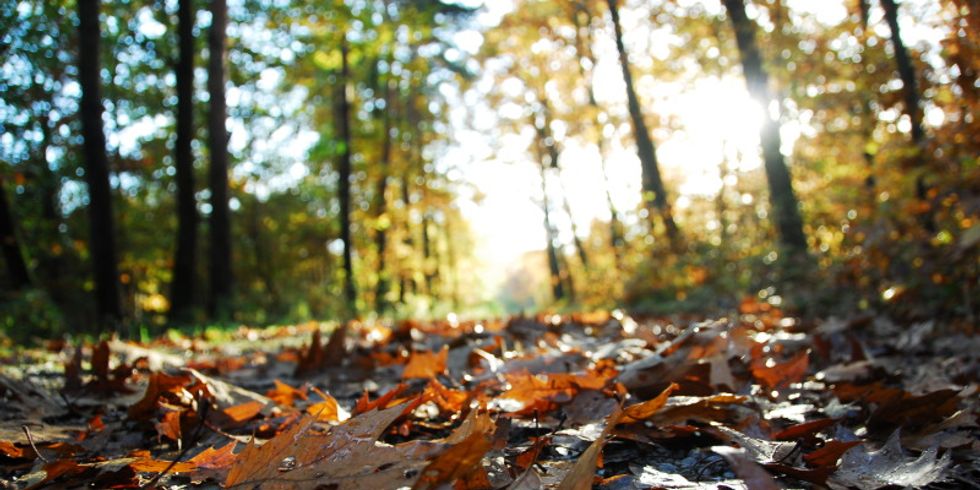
pixel 297 159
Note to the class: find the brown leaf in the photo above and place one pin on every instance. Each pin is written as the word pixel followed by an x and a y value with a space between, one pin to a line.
pixel 160 384
pixel 774 375
pixel 828 455
pixel 804 430
pixel 582 474
pixel 464 457
pixel 755 476
pixel 348 457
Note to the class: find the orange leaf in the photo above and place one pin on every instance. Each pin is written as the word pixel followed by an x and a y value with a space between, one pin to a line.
pixel 464 458
pixel 244 411
pixel 284 394
pixel 448 400
pixel 779 375
pixel 426 365
pixel 327 410
pixel 160 383
pixel 645 410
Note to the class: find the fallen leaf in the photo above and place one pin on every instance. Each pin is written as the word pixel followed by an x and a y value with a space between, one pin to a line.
pixel 774 375
pixel 645 410
pixel 471 442
pixel 286 395
pixel 869 469
pixel 755 476
pixel 582 473
pixel 348 457
pixel 426 365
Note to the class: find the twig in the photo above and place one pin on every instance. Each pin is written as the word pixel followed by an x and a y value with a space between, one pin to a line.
pixel 30 439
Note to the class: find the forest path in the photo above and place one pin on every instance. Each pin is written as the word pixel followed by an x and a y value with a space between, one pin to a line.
pixel 757 401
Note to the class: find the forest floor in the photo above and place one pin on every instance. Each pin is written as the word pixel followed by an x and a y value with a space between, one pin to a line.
pixel 755 401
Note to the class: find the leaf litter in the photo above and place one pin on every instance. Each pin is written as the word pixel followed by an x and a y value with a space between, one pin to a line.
pixel 602 400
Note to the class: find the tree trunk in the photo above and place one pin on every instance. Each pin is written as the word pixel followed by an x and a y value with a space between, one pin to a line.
pixel 16 267
pixel 183 288
pixel 785 208
pixel 344 171
pixel 913 107
pixel 551 150
pixel 906 71
pixel 654 192
pixel 381 206
pixel 427 255
pixel 102 238
pixel 583 43
pixel 554 265
pixel 220 220
pixel 406 281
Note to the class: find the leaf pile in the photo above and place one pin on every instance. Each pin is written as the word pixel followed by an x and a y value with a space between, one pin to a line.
pixel 570 402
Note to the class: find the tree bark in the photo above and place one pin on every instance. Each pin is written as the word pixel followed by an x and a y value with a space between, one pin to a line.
pixel 381 205
pixel 913 108
pixel 102 238
pixel 428 271
pixel 554 266
pixel 654 192
pixel 344 171
pixel 785 207
pixel 219 305
pixel 16 267
pixel 183 288
pixel 906 70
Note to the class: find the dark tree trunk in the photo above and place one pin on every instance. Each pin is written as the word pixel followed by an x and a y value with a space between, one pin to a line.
pixel 427 256
pixel 344 171
pixel 16 267
pixel 406 282
pixel 381 206
pixel 102 238
pixel 910 86
pixel 785 208
pixel 654 192
pixel 551 150
pixel 183 288
pixel 583 46
pixel 219 305
pixel 554 267
pixel 913 107
pixel 554 264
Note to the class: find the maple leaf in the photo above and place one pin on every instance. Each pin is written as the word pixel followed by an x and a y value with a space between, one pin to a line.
pixel 448 400
pixel 208 464
pixel 426 365
pixel 528 393
pixel 348 457
pixel 471 441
